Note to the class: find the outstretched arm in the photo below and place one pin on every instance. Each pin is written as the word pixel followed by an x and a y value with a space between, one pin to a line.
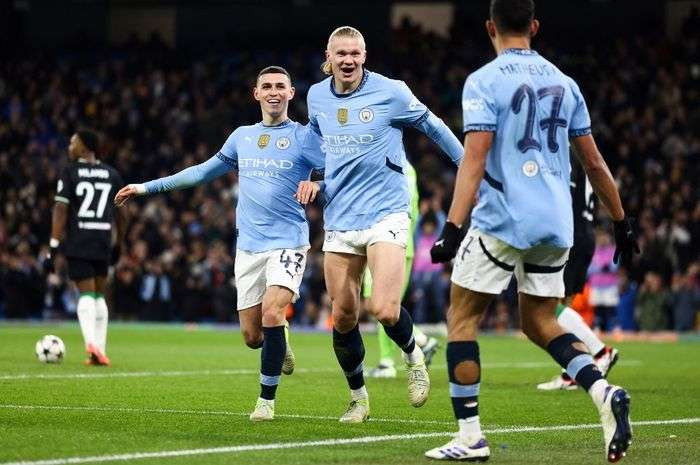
pixel 436 129
pixel 192 176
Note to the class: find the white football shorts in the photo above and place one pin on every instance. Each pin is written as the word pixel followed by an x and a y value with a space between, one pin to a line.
pixel 486 264
pixel 255 272
pixel 392 228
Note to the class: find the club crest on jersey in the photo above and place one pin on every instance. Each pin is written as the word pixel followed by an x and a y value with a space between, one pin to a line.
pixel 342 115
pixel 263 140
pixel 282 143
pixel 366 115
pixel 530 168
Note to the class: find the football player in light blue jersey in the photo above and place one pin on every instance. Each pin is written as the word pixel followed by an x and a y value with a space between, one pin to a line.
pixel 271 158
pixel 361 116
pixel 520 111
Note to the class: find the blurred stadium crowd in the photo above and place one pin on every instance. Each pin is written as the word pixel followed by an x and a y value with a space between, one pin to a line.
pixel 159 110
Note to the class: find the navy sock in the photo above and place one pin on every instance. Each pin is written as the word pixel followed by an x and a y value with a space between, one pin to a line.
pixel 350 352
pixel 578 364
pixel 402 332
pixel 465 397
pixel 271 358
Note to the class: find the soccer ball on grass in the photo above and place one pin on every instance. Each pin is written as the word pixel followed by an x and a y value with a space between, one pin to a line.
pixel 50 349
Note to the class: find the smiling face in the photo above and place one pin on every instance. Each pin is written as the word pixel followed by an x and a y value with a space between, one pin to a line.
pixel 347 56
pixel 273 91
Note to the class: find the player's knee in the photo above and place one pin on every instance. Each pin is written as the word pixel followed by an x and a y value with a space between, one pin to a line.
pixel 344 321
pixel 273 315
pixel 388 316
pixel 387 313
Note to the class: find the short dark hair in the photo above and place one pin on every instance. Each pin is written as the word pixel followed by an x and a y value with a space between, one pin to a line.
pixel 89 139
pixel 274 70
pixel 512 16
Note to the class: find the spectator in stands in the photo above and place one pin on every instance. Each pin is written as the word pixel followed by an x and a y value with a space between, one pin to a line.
pixel 602 274
pixel 430 287
pixel 653 304
pixel 685 298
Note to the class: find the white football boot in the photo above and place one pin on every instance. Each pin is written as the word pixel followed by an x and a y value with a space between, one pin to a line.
pixel 382 371
pixel 357 412
pixel 264 410
pixel 615 417
pixel 458 449
pixel 289 360
pixel 559 382
pixel 418 380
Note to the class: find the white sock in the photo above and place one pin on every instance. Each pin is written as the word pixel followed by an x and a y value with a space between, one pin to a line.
pixel 469 428
pixel 86 317
pixel 419 336
pixel 416 356
pixel 101 320
pixel 572 322
pixel 597 392
pixel 357 394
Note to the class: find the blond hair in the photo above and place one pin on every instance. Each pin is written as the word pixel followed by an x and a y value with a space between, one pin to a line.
pixel 342 31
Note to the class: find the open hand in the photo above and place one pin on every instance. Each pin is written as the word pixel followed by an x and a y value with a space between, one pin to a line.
pixel 127 192
pixel 307 192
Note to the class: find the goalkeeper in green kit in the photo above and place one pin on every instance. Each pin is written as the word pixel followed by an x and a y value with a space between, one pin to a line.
pixel 387 347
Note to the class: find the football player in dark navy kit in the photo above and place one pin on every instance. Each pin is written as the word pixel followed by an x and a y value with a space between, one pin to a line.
pixel 81 228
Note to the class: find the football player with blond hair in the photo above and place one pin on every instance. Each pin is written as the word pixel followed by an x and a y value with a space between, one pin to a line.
pixel 361 116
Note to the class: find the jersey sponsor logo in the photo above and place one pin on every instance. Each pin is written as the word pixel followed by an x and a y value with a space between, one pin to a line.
pixel 282 143
pixel 530 168
pixel 263 140
pixel 93 173
pixel 345 144
pixel 473 104
pixel 342 115
pixel 265 163
pixel 262 167
pixel 366 115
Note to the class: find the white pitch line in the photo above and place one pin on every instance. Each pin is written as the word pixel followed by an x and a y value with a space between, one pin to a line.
pixel 325 442
pixel 209 412
pixel 251 371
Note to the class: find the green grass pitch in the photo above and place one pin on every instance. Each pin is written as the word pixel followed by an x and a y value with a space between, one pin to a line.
pixel 182 396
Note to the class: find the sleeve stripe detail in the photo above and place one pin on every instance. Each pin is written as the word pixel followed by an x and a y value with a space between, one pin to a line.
pixel 422 118
pixel 480 127
pixel 579 132
pixel 58 198
pixel 226 160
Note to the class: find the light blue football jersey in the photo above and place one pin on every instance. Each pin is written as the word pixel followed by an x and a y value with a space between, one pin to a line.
pixel 533 109
pixel 271 161
pixel 362 134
